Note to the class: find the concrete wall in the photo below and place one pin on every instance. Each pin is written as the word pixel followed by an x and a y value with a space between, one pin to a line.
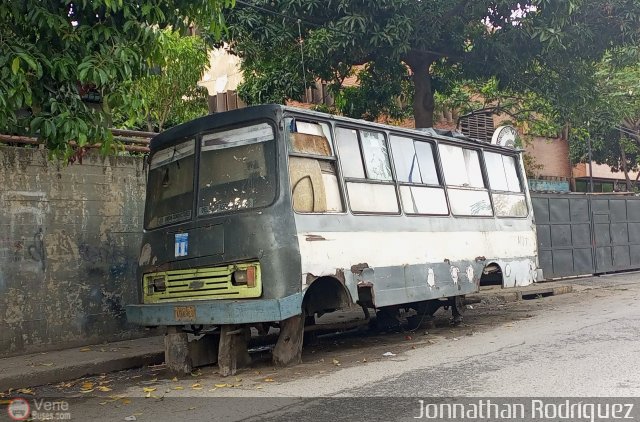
pixel 69 241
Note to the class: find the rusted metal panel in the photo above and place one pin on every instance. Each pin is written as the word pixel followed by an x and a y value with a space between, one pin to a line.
pixel 587 234
pixel 564 234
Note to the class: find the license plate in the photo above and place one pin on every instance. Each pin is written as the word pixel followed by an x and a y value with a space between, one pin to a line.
pixel 184 313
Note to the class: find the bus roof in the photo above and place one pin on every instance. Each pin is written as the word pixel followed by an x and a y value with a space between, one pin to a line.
pixel 212 121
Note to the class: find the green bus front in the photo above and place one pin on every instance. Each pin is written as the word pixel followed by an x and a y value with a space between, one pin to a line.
pixel 219 245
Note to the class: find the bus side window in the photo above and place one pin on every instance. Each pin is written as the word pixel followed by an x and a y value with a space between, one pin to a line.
pixel 506 190
pixel 314 185
pixel 367 171
pixel 310 138
pixel 465 184
pixel 314 181
pixel 420 188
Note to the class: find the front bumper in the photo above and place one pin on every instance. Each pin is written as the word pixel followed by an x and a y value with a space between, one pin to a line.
pixel 217 311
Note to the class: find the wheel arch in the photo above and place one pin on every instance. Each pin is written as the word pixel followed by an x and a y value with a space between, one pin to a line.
pixel 325 294
pixel 492 274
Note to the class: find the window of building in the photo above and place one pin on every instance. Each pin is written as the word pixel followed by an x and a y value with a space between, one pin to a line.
pixel 415 167
pixel 468 194
pixel 478 125
pixel 598 186
pixel 366 167
pixel 312 168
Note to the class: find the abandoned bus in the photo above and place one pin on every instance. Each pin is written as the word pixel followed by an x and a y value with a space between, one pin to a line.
pixel 272 215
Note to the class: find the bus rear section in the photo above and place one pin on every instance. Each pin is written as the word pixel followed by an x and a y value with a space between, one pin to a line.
pixel 404 222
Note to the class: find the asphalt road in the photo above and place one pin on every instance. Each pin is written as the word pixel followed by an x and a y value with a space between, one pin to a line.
pixel 582 344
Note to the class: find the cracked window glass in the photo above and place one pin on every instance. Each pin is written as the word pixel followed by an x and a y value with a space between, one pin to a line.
pixel 237 170
pixel 502 172
pixel 461 166
pixel 170 185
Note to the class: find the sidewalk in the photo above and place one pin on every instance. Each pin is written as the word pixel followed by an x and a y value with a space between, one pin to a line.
pixel 56 366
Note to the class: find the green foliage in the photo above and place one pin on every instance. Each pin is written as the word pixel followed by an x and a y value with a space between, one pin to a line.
pixel 380 91
pixel 611 121
pixel 170 94
pixel 271 64
pixel 537 49
pixel 55 52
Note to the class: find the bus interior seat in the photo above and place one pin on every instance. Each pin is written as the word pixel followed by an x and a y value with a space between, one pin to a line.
pixel 307 185
pixel 310 144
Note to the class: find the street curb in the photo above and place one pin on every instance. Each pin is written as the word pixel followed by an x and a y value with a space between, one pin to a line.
pixel 515 295
pixel 54 367
pixel 83 369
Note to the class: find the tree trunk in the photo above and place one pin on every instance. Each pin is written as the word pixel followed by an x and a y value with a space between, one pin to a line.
pixel 423 101
pixel 623 157
pixel 634 127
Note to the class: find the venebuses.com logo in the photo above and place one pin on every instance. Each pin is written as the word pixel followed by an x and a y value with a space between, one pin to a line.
pixel 18 409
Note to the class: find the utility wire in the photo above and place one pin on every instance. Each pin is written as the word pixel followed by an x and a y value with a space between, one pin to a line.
pixel 273 12
pixel 317 25
pixel 304 72
pixel 299 20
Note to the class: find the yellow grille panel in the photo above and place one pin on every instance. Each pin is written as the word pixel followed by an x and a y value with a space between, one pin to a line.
pixel 201 283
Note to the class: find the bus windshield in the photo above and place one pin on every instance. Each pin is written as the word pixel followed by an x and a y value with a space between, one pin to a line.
pixel 170 186
pixel 237 169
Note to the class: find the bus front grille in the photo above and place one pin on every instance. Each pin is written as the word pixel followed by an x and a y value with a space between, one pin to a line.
pixel 222 282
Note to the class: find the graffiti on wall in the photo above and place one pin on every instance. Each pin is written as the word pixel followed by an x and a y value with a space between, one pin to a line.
pixel 37 250
pixel 32 250
pixel 68 248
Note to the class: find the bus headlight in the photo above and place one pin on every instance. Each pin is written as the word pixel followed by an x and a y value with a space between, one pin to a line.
pixel 158 284
pixel 246 277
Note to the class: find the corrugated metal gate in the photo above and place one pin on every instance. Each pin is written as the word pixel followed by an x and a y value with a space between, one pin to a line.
pixel 587 234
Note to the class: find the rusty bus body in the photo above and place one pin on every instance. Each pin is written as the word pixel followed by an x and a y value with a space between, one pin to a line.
pixel 272 214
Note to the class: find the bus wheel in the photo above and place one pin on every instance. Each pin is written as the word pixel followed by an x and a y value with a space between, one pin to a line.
pixel 232 349
pixel 288 349
pixel 311 336
pixel 457 308
pixel 424 314
pixel 388 319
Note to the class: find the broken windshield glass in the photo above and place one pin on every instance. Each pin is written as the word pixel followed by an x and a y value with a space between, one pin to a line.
pixel 170 185
pixel 237 170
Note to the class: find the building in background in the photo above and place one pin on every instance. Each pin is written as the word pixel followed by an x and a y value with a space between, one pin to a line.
pixel 221 79
pixel 548 163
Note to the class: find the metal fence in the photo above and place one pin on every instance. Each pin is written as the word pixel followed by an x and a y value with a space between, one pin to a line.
pixel 587 234
pixel 129 140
